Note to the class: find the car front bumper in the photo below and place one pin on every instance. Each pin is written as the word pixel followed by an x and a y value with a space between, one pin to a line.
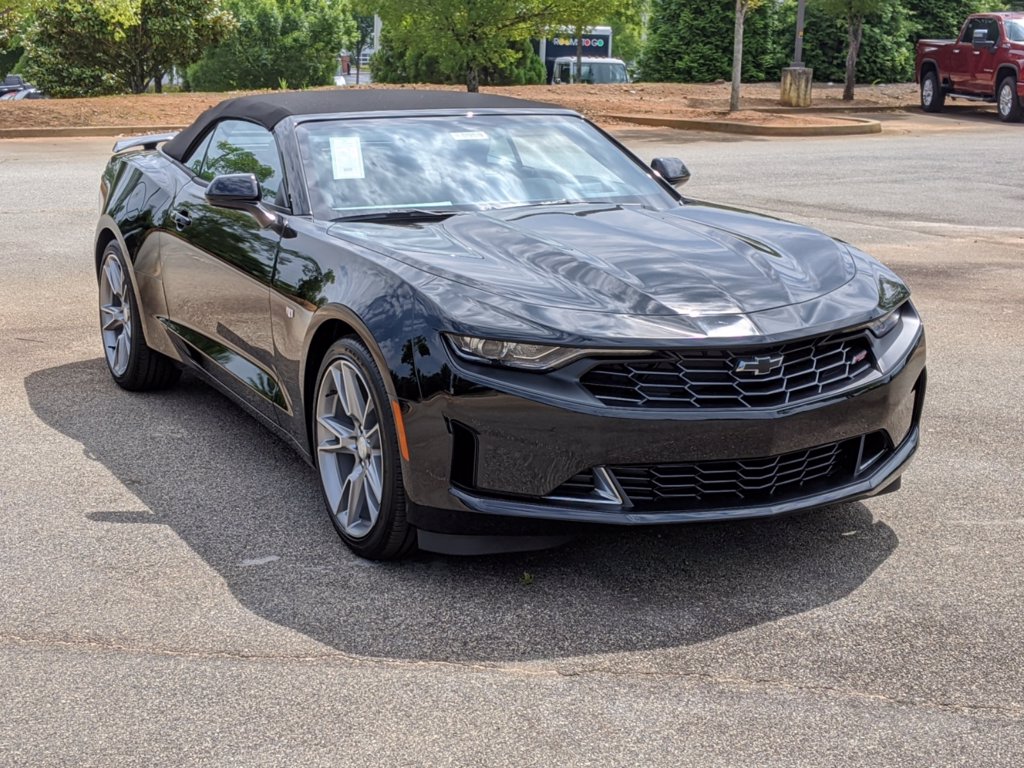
pixel 484 459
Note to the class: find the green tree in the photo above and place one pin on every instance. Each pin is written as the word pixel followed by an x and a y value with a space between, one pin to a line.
pixel 629 27
pixel 293 43
pixel 246 58
pixel 525 69
pixel 471 36
pixel 83 47
pixel 12 16
pixel 692 41
pixel 172 33
pixel 740 17
pixel 69 50
pixel 393 64
pixel 943 19
pixel 313 33
pixel 886 53
pixel 361 39
pixel 854 12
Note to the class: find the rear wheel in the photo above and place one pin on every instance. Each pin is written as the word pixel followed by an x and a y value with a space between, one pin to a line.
pixel 133 365
pixel 933 98
pixel 357 454
pixel 1008 101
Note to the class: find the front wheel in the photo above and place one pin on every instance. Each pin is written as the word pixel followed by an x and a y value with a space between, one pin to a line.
pixel 933 98
pixel 133 365
pixel 357 454
pixel 1008 100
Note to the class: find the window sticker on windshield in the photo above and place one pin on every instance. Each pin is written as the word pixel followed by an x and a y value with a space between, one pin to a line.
pixel 468 135
pixel 347 158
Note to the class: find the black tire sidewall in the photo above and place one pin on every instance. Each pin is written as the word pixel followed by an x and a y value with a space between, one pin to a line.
pixel 378 542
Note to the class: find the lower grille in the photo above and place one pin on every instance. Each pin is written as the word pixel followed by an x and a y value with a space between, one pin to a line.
pixel 708 485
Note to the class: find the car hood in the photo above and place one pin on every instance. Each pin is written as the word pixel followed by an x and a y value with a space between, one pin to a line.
pixel 693 261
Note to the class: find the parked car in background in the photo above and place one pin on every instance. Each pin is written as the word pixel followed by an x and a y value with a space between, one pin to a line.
pixel 14 88
pixel 559 52
pixel 983 64
pixel 592 70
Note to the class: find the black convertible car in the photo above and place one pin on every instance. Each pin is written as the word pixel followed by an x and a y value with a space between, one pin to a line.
pixel 483 317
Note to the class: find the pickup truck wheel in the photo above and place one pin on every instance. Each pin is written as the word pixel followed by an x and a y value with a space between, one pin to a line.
pixel 933 98
pixel 1009 103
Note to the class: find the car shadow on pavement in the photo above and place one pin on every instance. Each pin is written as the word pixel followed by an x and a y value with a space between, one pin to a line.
pixel 247 505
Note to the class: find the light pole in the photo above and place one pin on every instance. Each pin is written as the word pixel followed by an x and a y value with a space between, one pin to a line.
pixel 796 78
pixel 798 46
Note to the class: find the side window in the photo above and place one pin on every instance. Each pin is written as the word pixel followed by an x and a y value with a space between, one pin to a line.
pixel 968 35
pixel 992 26
pixel 195 160
pixel 981 29
pixel 237 146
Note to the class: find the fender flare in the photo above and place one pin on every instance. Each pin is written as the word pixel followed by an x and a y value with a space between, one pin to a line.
pixel 347 316
pixel 107 224
pixel 932 62
pixel 1001 73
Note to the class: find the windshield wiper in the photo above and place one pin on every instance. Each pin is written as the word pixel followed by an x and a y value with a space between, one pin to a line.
pixel 398 215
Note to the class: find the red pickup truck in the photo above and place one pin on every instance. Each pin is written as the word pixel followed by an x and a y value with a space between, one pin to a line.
pixel 986 63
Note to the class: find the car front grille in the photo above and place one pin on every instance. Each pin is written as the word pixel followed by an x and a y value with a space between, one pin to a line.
pixel 708 485
pixel 755 377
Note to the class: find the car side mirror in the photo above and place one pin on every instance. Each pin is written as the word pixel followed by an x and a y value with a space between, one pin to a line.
pixel 672 170
pixel 980 39
pixel 240 192
pixel 234 188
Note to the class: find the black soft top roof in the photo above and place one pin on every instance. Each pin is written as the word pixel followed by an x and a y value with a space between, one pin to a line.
pixel 270 109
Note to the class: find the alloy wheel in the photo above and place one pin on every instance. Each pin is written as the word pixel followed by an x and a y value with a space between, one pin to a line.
pixel 349 450
pixel 115 315
pixel 928 91
pixel 1005 99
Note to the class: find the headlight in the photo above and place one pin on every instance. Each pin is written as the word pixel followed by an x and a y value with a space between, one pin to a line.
pixel 885 324
pixel 533 357
pixel 530 357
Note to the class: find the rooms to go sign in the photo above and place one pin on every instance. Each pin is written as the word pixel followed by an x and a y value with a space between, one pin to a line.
pixel 588 42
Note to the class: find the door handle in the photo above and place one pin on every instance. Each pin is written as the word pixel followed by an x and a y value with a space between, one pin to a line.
pixel 181 219
pixel 956 50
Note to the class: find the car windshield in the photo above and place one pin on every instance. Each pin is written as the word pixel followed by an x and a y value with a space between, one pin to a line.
pixel 1015 31
pixel 466 162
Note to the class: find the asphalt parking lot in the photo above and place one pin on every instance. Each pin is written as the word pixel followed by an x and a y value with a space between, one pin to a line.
pixel 172 593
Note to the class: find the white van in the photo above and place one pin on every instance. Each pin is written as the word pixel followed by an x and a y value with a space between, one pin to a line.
pixel 594 70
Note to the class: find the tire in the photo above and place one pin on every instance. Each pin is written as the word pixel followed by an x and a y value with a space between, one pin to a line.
pixel 351 408
pixel 933 98
pixel 1007 100
pixel 132 364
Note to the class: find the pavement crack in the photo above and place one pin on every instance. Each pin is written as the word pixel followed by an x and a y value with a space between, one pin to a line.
pixel 1012 711
pixel 762 684
pixel 109 646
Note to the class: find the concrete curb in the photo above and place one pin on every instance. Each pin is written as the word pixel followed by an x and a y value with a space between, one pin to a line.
pixel 90 130
pixel 851 109
pixel 854 126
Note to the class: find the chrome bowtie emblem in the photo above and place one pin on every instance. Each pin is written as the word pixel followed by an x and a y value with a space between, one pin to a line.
pixel 761 365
